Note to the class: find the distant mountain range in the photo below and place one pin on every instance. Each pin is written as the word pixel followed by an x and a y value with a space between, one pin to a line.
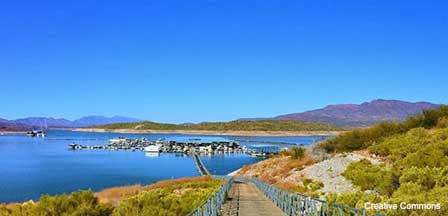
pixel 342 115
pixel 6 125
pixel 361 115
pixel 43 122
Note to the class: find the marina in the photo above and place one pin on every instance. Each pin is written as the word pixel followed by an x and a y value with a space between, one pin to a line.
pixel 193 146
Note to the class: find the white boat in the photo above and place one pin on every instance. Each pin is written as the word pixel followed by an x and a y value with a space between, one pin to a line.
pixel 35 133
pixel 117 140
pixel 41 134
pixel 152 148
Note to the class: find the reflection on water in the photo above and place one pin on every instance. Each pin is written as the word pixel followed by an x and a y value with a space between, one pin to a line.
pixel 151 154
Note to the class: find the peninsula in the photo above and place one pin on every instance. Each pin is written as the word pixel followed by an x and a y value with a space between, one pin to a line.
pixel 232 128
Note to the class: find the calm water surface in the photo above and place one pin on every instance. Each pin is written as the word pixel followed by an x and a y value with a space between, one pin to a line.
pixel 31 167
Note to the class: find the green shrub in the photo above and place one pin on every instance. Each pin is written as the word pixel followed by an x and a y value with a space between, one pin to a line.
pixel 78 203
pixel 370 177
pixel 296 153
pixel 363 138
pixel 416 171
pixel 309 187
pixel 177 199
pixel 173 200
pixel 427 177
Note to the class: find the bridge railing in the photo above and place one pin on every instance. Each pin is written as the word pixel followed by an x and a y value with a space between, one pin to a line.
pixel 212 206
pixel 294 204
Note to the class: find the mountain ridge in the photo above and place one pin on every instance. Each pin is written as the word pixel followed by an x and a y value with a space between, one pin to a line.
pixel 7 125
pixel 29 123
pixel 361 115
pixel 341 115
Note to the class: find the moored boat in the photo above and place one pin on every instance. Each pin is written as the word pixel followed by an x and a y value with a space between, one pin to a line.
pixel 36 133
pixel 152 148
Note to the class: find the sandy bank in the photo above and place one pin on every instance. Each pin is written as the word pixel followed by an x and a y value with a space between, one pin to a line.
pixel 12 132
pixel 227 133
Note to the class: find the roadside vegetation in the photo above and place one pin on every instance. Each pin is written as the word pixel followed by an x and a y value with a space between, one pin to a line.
pixel 262 125
pixel 415 168
pixel 172 197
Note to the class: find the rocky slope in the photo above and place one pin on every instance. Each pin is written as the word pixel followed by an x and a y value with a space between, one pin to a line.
pixel 289 174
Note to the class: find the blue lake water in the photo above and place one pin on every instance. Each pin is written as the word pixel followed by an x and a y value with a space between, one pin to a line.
pixel 30 167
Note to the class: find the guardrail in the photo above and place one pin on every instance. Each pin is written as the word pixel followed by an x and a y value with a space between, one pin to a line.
pixel 212 206
pixel 295 204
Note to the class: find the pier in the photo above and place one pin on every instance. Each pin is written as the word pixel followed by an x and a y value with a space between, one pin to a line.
pixel 202 169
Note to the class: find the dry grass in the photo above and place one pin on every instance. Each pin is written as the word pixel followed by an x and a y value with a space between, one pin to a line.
pixel 115 195
pixel 276 170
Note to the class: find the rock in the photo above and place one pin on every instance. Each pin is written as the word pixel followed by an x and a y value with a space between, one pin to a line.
pixel 329 172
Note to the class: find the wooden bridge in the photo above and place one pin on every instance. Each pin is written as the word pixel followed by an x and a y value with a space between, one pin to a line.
pixel 244 196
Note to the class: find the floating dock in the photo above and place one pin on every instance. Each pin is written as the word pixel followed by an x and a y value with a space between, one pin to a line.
pixel 171 146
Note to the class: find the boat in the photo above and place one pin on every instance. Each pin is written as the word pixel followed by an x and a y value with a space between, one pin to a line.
pixel 152 148
pixel 36 133
pixel 72 146
pixel 117 140
pixel 41 134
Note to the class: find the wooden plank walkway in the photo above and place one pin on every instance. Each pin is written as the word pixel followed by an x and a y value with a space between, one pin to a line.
pixel 244 199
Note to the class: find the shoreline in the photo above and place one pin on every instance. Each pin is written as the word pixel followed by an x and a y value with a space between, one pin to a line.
pixel 11 132
pixel 203 132
pixel 235 172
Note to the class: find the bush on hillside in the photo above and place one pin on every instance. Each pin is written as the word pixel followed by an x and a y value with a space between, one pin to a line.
pixel 77 203
pixel 296 153
pixel 363 138
pixel 174 200
pixel 370 177
pixel 443 122
pixel 416 171
pixel 175 197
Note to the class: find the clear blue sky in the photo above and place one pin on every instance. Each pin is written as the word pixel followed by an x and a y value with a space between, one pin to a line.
pixel 190 61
